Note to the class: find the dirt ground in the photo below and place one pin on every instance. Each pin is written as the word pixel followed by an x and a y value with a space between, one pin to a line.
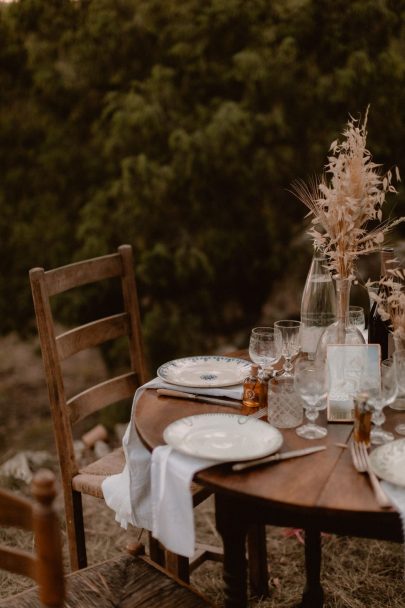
pixel 356 573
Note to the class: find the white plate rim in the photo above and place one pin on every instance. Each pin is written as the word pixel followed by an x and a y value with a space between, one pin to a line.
pixel 246 366
pixel 379 453
pixel 278 437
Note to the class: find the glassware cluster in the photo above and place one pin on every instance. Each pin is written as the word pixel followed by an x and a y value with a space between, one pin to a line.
pixel 301 383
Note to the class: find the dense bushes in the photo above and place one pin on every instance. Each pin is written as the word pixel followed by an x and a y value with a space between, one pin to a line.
pixel 178 127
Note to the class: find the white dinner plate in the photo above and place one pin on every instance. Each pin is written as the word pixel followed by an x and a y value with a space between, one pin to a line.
pixel 388 461
pixel 226 437
pixel 204 371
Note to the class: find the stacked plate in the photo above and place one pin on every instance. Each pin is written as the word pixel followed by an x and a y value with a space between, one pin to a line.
pixel 217 436
pixel 205 372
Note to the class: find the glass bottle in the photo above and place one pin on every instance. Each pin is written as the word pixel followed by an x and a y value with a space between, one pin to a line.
pixel 379 330
pixel 254 388
pixel 341 331
pixel 399 403
pixel 318 304
pixel 362 419
pixel 285 406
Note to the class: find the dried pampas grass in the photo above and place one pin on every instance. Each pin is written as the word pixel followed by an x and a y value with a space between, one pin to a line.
pixel 346 200
pixel 390 299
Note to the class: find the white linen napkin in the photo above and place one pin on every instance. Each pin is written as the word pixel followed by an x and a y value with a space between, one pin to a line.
pixel 397 496
pixel 153 490
pixel 172 503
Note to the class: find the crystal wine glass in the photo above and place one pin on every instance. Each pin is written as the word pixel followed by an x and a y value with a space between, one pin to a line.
pixel 380 397
pixel 287 335
pixel 357 318
pixel 262 347
pixel 399 366
pixel 310 385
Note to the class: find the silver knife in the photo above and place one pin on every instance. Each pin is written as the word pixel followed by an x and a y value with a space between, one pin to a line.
pixel 164 392
pixel 241 466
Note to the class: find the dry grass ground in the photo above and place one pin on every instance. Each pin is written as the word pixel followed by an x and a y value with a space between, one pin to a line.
pixel 356 573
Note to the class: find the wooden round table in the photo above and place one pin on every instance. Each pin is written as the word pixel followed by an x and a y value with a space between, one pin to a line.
pixel 319 492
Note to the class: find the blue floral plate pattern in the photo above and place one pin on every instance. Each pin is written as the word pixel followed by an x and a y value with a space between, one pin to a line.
pixel 205 371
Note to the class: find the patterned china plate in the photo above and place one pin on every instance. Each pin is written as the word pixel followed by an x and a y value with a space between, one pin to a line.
pixel 388 461
pixel 205 372
pixel 225 437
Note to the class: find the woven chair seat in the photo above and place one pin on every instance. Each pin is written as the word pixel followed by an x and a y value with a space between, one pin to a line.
pixel 90 477
pixel 122 582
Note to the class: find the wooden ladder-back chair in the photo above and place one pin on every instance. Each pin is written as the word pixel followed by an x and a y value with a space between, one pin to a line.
pixel 66 411
pixel 129 579
pixel 44 564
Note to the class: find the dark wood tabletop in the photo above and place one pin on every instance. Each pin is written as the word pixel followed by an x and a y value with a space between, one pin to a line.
pixel 319 492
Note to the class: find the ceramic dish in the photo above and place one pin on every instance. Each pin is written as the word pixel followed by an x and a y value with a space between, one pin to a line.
pixel 388 461
pixel 225 437
pixel 205 372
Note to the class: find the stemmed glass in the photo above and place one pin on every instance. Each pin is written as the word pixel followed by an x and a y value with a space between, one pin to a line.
pixel 287 335
pixel 380 397
pixel 310 385
pixel 262 348
pixel 399 366
pixel 357 318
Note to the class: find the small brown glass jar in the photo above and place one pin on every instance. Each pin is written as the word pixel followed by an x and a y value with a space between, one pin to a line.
pixel 362 419
pixel 255 389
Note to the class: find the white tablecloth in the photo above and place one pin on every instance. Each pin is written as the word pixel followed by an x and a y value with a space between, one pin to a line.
pixel 153 490
pixel 396 494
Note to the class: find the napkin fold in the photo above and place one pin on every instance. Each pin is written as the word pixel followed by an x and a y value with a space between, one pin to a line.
pixel 172 502
pixel 397 496
pixel 153 490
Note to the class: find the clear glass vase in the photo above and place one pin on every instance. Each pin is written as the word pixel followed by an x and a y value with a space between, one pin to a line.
pixel 399 403
pixel 318 304
pixel 341 331
pixel 399 342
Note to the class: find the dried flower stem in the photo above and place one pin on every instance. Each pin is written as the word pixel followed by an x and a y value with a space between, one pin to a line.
pixel 390 299
pixel 349 195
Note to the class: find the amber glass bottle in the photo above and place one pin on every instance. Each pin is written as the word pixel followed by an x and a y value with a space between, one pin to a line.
pixel 255 389
pixel 362 419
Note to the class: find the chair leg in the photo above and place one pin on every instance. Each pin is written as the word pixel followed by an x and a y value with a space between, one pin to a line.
pixel 75 530
pixel 178 565
pixel 156 553
pixel 257 562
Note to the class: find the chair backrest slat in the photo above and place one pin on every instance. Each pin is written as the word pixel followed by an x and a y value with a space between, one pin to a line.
pixel 17 561
pixel 92 334
pixel 17 512
pixel 102 394
pixel 81 273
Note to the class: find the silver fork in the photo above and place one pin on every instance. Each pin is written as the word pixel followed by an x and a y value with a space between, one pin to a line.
pixel 244 419
pixel 260 413
pixel 362 464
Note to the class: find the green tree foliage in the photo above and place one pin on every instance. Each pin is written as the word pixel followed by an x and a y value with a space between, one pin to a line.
pixel 178 127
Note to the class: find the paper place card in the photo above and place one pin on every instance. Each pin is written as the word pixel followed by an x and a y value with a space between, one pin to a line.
pixel 351 369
